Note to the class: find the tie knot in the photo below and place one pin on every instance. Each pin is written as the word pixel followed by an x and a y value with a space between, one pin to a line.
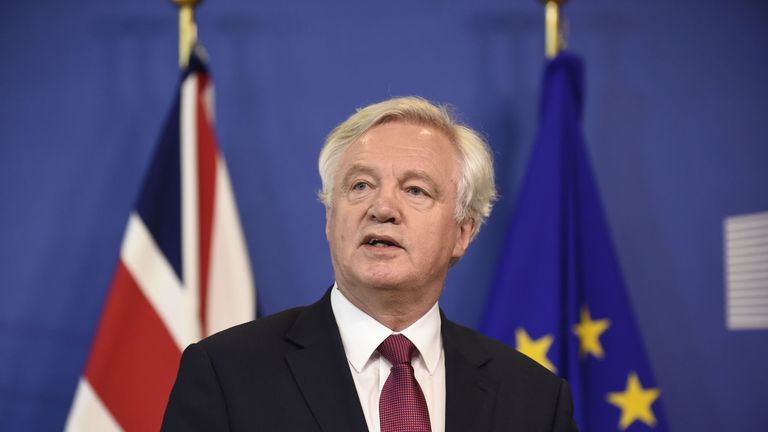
pixel 397 349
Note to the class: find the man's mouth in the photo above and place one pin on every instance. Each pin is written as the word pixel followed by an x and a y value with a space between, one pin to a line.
pixel 381 242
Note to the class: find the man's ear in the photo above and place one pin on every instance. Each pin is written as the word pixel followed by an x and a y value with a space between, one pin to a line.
pixel 327 222
pixel 463 239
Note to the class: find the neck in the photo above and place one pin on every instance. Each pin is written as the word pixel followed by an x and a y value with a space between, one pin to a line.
pixel 391 309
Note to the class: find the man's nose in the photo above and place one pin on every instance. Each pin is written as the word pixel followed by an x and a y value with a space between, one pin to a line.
pixel 385 207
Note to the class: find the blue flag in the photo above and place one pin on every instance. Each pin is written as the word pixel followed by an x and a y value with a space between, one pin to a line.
pixel 559 296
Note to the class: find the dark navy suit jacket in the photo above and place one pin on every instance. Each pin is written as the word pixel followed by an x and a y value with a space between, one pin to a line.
pixel 289 372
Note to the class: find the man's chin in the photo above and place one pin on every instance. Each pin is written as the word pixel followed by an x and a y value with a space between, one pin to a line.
pixel 385 280
pixel 384 283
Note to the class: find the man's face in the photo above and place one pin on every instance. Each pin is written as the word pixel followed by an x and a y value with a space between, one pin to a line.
pixel 391 223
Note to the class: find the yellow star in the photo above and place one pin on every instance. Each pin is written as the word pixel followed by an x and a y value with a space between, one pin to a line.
pixel 589 333
pixel 536 349
pixel 635 402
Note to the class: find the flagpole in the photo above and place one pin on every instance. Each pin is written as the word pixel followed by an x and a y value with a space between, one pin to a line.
pixel 555 41
pixel 187 28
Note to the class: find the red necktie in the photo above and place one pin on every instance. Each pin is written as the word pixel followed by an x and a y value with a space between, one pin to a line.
pixel 402 407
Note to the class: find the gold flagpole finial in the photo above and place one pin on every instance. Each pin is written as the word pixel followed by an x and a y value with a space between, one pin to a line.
pixel 553 27
pixel 187 28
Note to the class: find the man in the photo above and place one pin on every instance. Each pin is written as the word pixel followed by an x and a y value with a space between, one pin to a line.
pixel 406 189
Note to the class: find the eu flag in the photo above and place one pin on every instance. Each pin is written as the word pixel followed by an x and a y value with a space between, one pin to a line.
pixel 559 296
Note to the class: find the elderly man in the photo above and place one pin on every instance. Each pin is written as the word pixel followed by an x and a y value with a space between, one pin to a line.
pixel 406 189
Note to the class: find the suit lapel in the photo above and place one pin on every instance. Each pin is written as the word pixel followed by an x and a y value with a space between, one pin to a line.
pixel 470 393
pixel 321 371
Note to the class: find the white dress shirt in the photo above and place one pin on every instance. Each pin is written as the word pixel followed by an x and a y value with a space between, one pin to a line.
pixel 361 335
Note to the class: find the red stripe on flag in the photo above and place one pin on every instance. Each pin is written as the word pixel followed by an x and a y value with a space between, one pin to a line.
pixel 134 358
pixel 206 184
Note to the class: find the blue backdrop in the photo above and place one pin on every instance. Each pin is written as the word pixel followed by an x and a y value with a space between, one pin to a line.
pixel 676 112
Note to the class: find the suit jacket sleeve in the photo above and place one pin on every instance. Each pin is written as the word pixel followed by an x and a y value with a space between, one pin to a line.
pixel 564 421
pixel 196 402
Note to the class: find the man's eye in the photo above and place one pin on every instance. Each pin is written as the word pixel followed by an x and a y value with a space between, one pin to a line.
pixel 416 191
pixel 360 186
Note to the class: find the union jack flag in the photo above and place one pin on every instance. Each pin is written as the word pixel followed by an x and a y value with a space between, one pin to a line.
pixel 183 272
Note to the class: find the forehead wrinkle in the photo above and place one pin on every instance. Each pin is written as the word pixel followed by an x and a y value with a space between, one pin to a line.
pixel 367 155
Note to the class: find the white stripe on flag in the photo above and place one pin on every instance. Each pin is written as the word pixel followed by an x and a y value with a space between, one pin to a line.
pixel 189 199
pixel 88 413
pixel 231 298
pixel 159 283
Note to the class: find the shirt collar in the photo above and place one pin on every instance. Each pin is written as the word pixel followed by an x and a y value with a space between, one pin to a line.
pixel 361 334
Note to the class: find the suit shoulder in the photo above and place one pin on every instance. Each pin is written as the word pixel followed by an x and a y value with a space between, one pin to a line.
pixel 534 397
pixel 501 358
pixel 256 334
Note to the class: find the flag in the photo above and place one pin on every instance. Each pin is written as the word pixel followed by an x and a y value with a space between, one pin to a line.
pixel 183 272
pixel 559 296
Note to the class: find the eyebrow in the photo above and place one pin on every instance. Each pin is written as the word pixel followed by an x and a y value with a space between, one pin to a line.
pixel 357 169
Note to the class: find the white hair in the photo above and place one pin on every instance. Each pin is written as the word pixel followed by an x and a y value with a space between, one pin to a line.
pixel 476 190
